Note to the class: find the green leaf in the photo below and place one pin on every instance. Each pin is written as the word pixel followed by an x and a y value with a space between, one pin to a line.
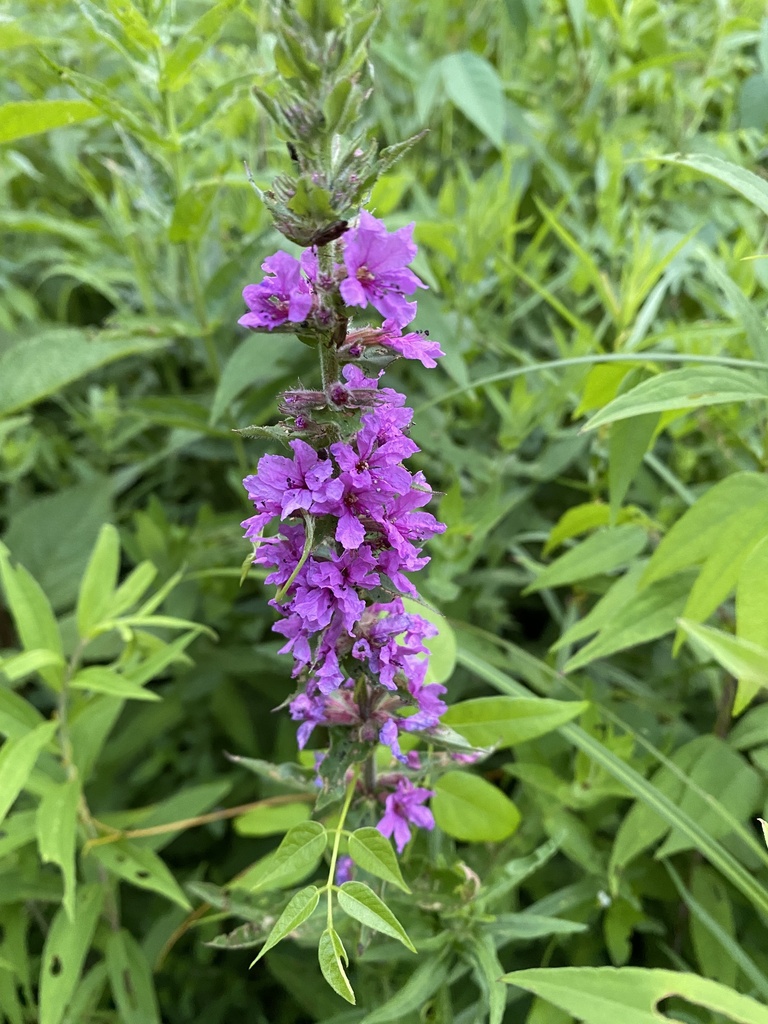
pixel 751 606
pixel 577 520
pixel 373 853
pixel 18 666
pixel 746 183
pixel 745 660
pixel 90 725
pixel 99 581
pixel 271 821
pixel 330 954
pixel 689 388
pixel 605 551
pixel 30 117
pixel 141 867
pixel 473 85
pixel 194 42
pixel 627 444
pixel 17 759
pixel 130 979
pixel 360 901
pixel 650 795
pixel 605 995
pixel 37 367
pixel 481 952
pixel 505 721
pixel 255 363
pixel 442 648
pixel 99 679
pixel 56 826
pixel 469 808
pixel 411 996
pixel 132 589
pixel 300 851
pixel 299 909
pixel 66 946
pixel 33 616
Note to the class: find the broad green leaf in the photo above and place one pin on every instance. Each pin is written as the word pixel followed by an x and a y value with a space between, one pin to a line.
pixel 56 833
pixel 20 665
pixel 99 679
pixel 30 117
pixel 271 821
pixel 650 614
pixel 577 520
pixel 178 67
pixel 17 759
pixel 473 85
pixel 330 953
pixel 32 614
pixel 57 558
pixel 412 995
pixel 605 995
pixel 602 552
pixel 628 442
pixel 66 946
pixel 505 721
pixel 37 367
pixel 373 853
pixel 699 530
pixel 360 901
pixel 689 388
pixel 650 795
pixel 141 867
pixel 469 808
pixel 745 660
pixel 751 606
pixel 130 978
pixel 254 364
pixel 442 648
pixel 746 183
pixel 99 581
pixel 299 909
pixel 300 851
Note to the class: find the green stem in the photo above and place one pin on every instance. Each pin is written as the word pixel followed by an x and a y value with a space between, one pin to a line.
pixel 337 843
pixel 329 364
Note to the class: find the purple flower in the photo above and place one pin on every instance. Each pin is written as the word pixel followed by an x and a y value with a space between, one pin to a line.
pixel 388 735
pixel 413 345
pixel 375 261
pixel 282 485
pixel 283 295
pixel 404 808
pixel 344 870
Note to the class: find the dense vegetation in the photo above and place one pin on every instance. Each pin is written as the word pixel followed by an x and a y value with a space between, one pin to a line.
pixel 589 206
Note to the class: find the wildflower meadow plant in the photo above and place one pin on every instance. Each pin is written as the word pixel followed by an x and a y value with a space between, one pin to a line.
pixel 340 522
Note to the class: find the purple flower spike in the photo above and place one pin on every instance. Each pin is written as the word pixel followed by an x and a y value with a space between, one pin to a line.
pixel 404 808
pixel 376 264
pixel 284 295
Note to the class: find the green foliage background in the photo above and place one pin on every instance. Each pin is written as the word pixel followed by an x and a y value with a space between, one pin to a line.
pixel 568 265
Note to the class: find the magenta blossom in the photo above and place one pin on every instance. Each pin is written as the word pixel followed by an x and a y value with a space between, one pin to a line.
pixel 377 275
pixel 283 295
pixel 404 808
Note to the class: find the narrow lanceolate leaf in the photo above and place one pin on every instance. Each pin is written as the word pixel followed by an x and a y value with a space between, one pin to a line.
pixel 691 388
pixel 20 665
pixel 300 908
pixel 488 971
pixel 747 184
pixel 743 659
pixel 373 853
pixel 64 952
pixel 32 614
pixel 360 901
pixel 193 43
pixel 130 979
pixel 605 551
pixel 505 721
pixel 605 995
pixel 330 953
pixel 31 117
pixel 17 759
pixel 99 581
pixel 428 977
pixel 56 832
pixel 142 867
pixel 301 849
pixel 100 679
